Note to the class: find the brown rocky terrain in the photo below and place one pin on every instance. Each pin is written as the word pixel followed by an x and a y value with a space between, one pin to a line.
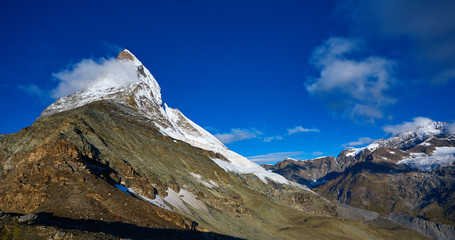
pixel 311 172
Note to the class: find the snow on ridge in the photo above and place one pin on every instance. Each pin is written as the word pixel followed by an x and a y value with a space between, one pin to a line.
pixel 260 172
pixel 354 151
pixel 418 126
pixel 442 156
pixel 423 132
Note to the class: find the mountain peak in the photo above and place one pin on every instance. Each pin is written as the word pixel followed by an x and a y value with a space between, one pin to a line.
pixel 144 94
pixel 126 55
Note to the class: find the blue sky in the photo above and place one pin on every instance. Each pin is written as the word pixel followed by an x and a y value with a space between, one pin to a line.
pixel 272 79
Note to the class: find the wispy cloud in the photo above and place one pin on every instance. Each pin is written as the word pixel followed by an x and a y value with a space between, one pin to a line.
pixel 111 50
pixel 300 129
pixel 34 90
pixel 238 135
pixel 269 139
pixel 317 153
pixel 415 124
pixel 427 28
pixel 360 142
pixel 355 87
pixel 275 157
pixel 94 74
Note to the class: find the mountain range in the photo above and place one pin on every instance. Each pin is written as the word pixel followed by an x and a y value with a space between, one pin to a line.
pixel 408 176
pixel 114 161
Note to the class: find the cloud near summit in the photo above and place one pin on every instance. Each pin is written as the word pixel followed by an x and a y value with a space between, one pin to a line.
pixel 105 73
pixel 416 123
pixel 352 86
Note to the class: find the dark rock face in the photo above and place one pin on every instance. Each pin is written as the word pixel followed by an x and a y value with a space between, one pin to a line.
pixel 306 172
pixel 315 171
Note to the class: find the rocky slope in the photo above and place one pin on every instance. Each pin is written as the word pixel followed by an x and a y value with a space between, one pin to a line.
pixel 411 174
pixel 116 161
pixel 312 172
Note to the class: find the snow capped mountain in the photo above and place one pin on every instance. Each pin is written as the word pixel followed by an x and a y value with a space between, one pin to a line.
pixel 143 93
pixel 405 140
pixel 410 138
pixel 427 146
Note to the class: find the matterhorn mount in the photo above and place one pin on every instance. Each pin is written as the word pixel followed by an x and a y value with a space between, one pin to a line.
pixel 144 94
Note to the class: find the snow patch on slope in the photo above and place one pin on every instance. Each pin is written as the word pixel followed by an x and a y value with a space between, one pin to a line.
pixel 258 171
pixel 158 201
pixel 442 156
pixel 210 184
pixel 179 199
pixel 354 151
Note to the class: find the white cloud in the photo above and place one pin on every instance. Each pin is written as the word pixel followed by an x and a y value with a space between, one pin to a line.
pixel 300 129
pixel 269 139
pixel 91 74
pixel 274 157
pixel 238 135
pixel 356 87
pixel 360 142
pixel 317 153
pixel 416 123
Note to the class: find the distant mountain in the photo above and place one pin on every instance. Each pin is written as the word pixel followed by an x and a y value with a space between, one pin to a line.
pixel 411 174
pixel 114 161
pixel 308 172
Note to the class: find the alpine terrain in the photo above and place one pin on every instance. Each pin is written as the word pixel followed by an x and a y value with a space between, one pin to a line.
pixel 408 178
pixel 114 161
